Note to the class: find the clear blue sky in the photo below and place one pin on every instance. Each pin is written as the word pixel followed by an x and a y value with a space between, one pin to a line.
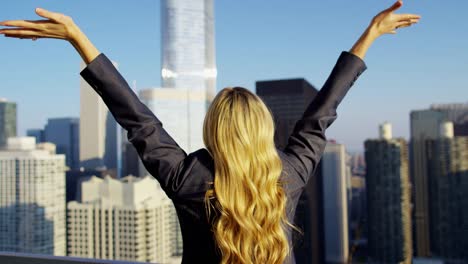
pixel 255 40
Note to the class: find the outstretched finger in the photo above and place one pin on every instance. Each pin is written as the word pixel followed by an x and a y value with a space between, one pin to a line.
pixel 21 37
pixel 29 35
pixel 48 14
pixel 401 17
pixel 34 24
pixel 405 24
pixel 395 6
pixel 20 31
pixel 26 33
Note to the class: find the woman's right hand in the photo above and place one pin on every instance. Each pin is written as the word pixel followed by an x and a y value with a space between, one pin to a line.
pixel 56 26
pixel 387 22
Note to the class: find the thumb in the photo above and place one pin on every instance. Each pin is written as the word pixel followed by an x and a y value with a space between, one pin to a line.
pixel 395 6
pixel 47 14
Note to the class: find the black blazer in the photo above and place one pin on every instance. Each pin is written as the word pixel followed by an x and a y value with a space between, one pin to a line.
pixel 185 178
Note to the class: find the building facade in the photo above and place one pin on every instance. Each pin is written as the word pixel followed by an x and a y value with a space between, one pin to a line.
pixel 32 199
pixel 129 219
pixel 99 132
pixel 181 111
pixel 425 126
pixel 7 121
pixel 335 203
pixel 388 199
pixel 448 195
pixel 65 134
pixel 287 100
pixel 36 133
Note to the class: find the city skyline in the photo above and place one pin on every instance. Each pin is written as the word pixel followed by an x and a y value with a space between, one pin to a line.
pixel 253 43
pixel 390 201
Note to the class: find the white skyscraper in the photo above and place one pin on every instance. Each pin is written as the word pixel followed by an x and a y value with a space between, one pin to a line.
pixel 181 111
pixel 99 133
pixel 32 198
pixel 128 219
pixel 335 203
pixel 188 45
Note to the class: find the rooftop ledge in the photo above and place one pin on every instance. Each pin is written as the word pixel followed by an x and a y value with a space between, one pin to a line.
pixel 25 258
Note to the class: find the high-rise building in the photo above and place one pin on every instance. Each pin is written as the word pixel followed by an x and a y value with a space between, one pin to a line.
pixel 188 45
pixel 287 100
pixel 74 178
pixel 65 134
pixel 455 112
pixel 181 111
pixel 130 160
pixel 447 159
pixel 425 125
pixel 127 219
pixel 388 199
pixel 99 132
pixel 358 209
pixel 335 204
pixel 32 199
pixel 7 121
pixel 188 75
pixel 36 133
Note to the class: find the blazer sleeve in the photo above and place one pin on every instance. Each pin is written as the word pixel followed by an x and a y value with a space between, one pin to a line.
pixel 160 154
pixel 307 141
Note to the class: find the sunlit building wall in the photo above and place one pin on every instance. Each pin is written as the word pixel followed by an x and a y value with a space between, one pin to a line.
pixel 32 198
pixel 99 133
pixel 335 203
pixel 181 111
pixel 129 219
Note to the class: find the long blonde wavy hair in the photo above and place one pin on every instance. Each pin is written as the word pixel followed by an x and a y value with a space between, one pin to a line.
pixel 247 195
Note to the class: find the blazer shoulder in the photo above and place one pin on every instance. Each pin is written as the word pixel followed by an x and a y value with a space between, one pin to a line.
pixel 195 177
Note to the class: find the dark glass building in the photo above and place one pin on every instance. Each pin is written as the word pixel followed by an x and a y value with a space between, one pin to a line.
pixel 65 134
pixel 448 197
pixel 287 100
pixel 7 121
pixel 388 200
pixel 425 126
pixel 130 161
pixel 36 133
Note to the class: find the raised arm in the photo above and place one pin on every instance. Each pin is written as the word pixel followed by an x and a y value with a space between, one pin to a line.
pixel 160 154
pixel 307 142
